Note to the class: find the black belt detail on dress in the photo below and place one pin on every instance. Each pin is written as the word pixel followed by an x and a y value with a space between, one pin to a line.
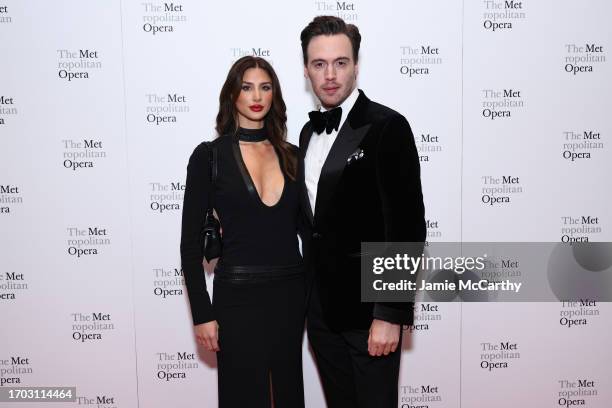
pixel 256 273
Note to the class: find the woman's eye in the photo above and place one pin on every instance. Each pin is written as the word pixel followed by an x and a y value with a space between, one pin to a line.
pixel 267 88
pixel 245 87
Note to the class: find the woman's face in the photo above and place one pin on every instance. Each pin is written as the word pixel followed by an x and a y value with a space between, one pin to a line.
pixel 255 99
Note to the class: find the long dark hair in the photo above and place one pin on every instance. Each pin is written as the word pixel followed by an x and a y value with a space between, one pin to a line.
pixel 275 121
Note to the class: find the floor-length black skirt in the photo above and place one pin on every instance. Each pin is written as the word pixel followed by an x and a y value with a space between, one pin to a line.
pixel 260 312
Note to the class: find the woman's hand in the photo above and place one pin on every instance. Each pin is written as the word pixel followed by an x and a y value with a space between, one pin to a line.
pixel 207 334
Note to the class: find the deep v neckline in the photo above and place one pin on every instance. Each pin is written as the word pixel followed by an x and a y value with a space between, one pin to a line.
pixel 248 180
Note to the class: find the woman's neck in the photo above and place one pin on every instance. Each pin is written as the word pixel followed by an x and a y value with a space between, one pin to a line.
pixel 250 124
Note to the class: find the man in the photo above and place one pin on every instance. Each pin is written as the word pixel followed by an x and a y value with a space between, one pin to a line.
pixel 362 183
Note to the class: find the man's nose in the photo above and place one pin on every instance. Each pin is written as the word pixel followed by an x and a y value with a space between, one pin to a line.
pixel 330 72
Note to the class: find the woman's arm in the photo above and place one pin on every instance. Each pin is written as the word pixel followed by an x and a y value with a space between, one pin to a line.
pixel 195 204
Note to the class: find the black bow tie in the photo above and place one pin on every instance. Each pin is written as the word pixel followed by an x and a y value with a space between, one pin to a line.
pixel 328 120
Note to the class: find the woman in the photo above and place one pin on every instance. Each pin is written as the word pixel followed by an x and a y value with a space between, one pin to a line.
pixel 255 322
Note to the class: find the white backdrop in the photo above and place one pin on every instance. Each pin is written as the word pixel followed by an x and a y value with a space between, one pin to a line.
pixel 101 103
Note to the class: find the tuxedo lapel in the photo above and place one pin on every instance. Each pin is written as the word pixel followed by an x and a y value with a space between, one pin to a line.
pixel 349 137
pixel 305 138
pixel 304 142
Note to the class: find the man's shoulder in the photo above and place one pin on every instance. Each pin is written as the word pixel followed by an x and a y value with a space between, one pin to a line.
pixel 384 120
pixel 377 113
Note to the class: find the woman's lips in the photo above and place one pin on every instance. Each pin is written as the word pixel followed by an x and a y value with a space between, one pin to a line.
pixel 256 108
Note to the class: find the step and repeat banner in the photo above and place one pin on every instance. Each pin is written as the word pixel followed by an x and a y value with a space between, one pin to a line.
pixel 102 102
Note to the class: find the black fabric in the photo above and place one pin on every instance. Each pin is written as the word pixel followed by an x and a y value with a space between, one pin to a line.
pixel 260 317
pixel 369 191
pixel 376 197
pixel 256 274
pixel 351 378
pixel 252 135
pixel 328 120
pixel 261 328
pixel 253 233
pixel 211 230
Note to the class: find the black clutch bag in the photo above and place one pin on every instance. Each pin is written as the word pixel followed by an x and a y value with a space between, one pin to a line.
pixel 211 230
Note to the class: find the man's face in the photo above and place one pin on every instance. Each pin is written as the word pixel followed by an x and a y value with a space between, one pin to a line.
pixel 331 68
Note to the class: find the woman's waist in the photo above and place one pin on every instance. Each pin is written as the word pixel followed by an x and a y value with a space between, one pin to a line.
pixel 228 272
pixel 262 251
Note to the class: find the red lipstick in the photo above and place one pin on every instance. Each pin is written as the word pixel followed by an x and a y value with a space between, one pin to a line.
pixel 256 108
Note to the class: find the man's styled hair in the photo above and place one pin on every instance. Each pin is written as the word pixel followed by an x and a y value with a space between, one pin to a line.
pixel 330 25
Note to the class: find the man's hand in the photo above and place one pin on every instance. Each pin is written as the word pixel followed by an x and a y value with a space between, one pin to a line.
pixel 384 337
pixel 207 334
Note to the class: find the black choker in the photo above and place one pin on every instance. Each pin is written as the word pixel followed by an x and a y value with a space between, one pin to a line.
pixel 252 135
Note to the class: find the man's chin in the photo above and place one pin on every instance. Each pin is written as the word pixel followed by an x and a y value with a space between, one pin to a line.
pixel 329 103
pixel 332 101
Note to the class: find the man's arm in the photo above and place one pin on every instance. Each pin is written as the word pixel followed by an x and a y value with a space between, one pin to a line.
pixel 399 186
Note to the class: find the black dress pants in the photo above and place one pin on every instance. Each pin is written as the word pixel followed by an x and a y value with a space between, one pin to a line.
pixel 351 378
pixel 261 326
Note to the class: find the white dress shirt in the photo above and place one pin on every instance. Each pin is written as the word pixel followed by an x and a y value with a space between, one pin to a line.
pixel 318 148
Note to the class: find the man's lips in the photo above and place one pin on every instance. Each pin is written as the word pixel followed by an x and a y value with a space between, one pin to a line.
pixel 330 90
pixel 256 108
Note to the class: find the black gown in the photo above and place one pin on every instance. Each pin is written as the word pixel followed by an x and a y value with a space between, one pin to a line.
pixel 260 313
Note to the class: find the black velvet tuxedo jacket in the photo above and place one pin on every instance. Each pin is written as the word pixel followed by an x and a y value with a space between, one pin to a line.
pixel 374 196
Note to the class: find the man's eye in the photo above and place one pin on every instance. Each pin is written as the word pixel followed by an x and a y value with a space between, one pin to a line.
pixel 319 65
pixel 341 63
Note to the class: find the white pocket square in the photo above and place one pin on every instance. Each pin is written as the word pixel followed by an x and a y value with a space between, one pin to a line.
pixel 356 155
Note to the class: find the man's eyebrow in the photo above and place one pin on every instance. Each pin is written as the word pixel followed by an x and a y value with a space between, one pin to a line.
pixel 322 60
